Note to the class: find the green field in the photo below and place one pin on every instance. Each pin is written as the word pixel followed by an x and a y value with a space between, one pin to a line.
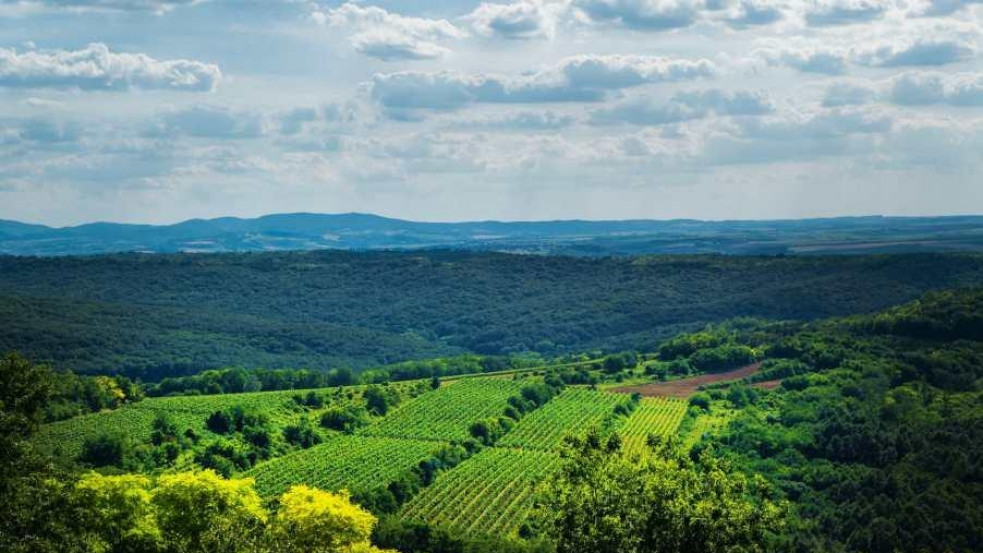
pixel 653 416
pixel 572 412
pixel 65 438
pixel 355 463
pixel 490 493
pixel 447 413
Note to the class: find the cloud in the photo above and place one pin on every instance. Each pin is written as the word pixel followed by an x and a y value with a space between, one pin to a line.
pixel 752 13
pixel 796 137
pixel 205 121
pixel 521 120
pixel 642 15
pixel 922 52
pixel 924 89
pixel 155 6
pixel 586 78
pixel 95 67
pixel 807 59
pixel 845 94
pixel 48 131
pixel 526 19
pixel 828 13
pixel 387 36
pixel 947 7
pixel 684 106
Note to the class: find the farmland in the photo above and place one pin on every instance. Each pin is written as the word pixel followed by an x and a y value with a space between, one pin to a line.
pixel 446 414
pixel 572 412
pixel 653 416
pixel 66 438
pixel 490 493
pixel 355 463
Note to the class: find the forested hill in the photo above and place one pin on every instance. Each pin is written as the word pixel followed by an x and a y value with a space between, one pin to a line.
pixel 356 231
pixel 157 315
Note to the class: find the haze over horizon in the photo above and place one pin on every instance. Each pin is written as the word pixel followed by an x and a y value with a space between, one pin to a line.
pixel 157 111
pixel 166 223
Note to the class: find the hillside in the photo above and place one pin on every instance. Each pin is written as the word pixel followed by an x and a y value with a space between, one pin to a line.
pixel 152 316
pixel 841 421
pixel 354 231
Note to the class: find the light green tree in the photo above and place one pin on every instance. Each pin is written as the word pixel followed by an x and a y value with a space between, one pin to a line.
pixel 202 512
pixel 606 502
pixel 116 513
pixel 316 521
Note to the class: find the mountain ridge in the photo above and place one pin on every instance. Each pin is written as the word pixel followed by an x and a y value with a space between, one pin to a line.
pixel 366 231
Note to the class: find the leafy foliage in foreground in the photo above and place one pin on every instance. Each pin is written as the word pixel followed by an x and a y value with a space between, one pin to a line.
pixel 153 316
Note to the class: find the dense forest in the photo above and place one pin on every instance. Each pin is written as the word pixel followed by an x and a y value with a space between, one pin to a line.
pixel 154 316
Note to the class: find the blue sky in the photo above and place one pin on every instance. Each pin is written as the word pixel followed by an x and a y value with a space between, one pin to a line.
pixel 163 110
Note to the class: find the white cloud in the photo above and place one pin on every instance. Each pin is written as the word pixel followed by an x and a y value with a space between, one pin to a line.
pixel 520 120
pixel 387 36
pixel 526 19
pixel 847 94
pixel 154 6
pixel 586 78
pixel 935 8
pixel 917 88
pixel 826 13
pixel 918 53
pixel 205 121
pixel 95 67
pixel 684 106
pixel 643 15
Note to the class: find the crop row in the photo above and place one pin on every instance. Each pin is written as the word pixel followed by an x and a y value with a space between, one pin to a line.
pixel 65 438
pixel 653 416
pixel 491 492
pixel 355 463
pixel 447 413
pixel 572 412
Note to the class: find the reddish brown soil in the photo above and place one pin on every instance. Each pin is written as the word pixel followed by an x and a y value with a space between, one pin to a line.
pixel 686 387
pixel 767 384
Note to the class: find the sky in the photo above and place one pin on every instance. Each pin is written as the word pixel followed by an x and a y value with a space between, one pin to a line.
pixel 156 111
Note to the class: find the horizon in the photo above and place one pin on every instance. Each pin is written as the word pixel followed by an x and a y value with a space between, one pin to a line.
pixel 479 221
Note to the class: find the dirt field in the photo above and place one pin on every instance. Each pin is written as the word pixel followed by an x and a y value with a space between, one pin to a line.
pixel 686 387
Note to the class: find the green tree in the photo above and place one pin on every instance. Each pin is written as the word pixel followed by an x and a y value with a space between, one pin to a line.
pixel 116 513
pixel 314 521
pixel 604 502
pixel 201 511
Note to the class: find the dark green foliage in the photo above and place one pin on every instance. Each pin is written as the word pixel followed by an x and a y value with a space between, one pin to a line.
pixel 106 450
pixel 722 358
pixel 701 400
pixel 345 419
pixel 170 315
pixel 620 361
pixel 380 399
pixel 302 434
pixel 872 434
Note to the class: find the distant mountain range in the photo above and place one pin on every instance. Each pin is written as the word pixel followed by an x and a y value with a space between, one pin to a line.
pixel 355 231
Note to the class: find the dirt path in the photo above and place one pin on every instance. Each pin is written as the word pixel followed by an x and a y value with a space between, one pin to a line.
pixel 686 387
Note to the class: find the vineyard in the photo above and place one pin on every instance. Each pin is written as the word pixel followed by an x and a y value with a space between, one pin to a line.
pixel 65 438
pixel 653 416
pixel 355 463
pixel 572 412
pixel 447 414
pixel 490 493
